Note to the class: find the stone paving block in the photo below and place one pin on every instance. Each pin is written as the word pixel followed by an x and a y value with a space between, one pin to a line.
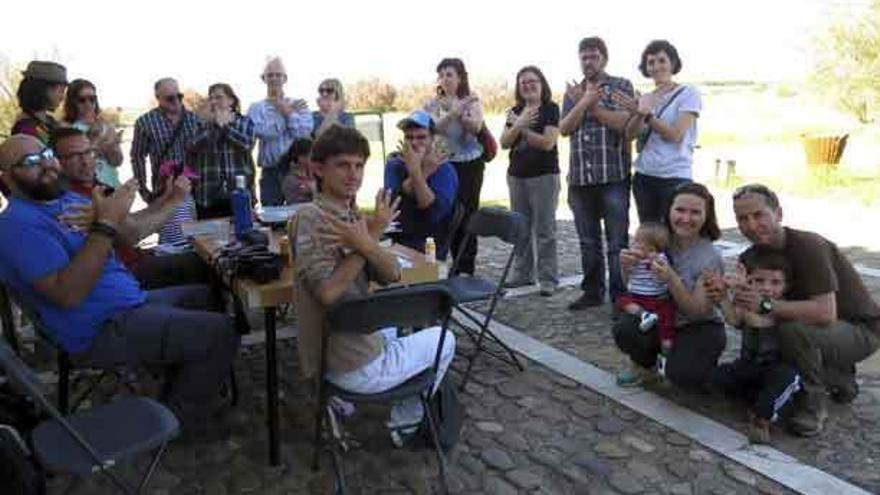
pixel 497 458
pixel 626 483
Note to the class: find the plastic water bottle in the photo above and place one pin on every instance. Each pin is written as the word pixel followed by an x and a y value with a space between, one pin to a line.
pixel 241 208
pixel 430 250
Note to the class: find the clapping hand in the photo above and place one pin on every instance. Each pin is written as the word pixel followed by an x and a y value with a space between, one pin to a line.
pixel 432 160
pixel 526 118
pixel 630 257
pixel 78 216
pixel 337 232
pixel 412 158
pixel 175 189
pixel 113 209
pixel 661 268
pixel 625 101
pixel 386 211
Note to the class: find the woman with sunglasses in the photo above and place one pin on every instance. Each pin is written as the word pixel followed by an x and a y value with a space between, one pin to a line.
pixel 459 116
pixel 39 94
pixel 82 111
pixel 331 107
pixel 533 176
pixel 223 145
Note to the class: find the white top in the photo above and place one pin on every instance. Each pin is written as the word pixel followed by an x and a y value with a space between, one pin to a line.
pixel 661 158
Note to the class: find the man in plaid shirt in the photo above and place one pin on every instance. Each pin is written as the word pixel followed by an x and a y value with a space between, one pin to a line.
pixel 599 171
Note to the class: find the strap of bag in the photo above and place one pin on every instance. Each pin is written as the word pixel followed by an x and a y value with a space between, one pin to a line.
pixel 663 109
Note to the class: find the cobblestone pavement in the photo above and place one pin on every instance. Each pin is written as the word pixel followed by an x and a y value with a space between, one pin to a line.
pixel 850 448
pixel 528 432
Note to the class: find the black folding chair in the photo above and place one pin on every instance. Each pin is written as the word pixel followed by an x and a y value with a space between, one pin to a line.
pixel 407 307
pixel 95 440
pixel 509 227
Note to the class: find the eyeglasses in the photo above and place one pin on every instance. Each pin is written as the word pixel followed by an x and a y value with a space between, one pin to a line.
pixel 172 98
pixel 529 82
pixel 89 153
pixel 416 137
pixel 87 99
pixel 34 159
pixel 326 91
pixel 274 74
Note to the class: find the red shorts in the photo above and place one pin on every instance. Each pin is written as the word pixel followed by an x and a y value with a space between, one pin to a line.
pixel 662 306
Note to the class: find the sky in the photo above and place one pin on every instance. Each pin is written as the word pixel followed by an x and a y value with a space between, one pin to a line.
pixel 124 46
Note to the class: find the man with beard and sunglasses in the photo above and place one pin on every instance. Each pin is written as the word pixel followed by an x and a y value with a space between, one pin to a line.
pixel 89 302
pixel 164 135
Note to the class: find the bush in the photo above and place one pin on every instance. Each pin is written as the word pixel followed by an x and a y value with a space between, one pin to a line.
pixel 413 96
pixel 496 96
pixel 373 95
pixel 10 77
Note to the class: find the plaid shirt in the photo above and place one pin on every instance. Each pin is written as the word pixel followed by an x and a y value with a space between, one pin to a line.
pixel 276 133
pixel 151 131
pixel 223 153
pixel 599 154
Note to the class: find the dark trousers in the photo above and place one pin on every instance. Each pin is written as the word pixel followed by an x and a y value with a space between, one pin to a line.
pixel 156 272
pixel 594 207
pixel 653 195
pixel 270 186
pixel 470 182
pixel 692 359
pixel 218 210
pixel 769 385
pixel 174 329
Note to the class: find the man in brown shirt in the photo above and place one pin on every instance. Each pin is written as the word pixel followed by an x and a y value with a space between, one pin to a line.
pixel 337 254
pixel 828 320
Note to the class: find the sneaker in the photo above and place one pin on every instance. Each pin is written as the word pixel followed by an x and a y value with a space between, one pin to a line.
pixel 759 431
pixel 842 385
pixel 635 376
pixel 517 283
pixel 341 407
pixel 547 290
pixel 585 302
pixel 648 320
pixel 808 420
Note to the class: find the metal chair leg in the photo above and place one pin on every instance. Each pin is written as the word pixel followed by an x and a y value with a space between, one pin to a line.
pixel 63 382
pixel 317 444
pixel 432 425
pixel 153 464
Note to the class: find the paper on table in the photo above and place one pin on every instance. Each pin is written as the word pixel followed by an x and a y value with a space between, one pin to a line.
pixel 404 262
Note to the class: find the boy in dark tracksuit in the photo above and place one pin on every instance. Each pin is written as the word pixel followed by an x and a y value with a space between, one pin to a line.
pixel 759 374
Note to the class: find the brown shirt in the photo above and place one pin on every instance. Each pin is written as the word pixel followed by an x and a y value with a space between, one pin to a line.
pixel 818 267
pixel 314 262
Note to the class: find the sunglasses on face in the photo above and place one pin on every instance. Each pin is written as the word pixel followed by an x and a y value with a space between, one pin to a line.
pixel 326 91
pixel 87 99
pixel 33 159
pixel 173 98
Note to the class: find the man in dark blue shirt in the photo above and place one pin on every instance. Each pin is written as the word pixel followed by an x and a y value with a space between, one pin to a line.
pixel 426 184
pixel 85 297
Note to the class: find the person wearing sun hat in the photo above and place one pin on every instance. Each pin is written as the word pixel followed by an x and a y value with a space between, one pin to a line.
pixel 39 94
pixel 426 183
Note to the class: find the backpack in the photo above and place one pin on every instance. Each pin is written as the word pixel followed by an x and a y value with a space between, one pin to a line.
pixel 449 413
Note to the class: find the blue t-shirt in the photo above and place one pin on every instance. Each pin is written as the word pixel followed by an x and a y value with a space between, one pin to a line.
pixel 661 158
pixel 34 244
pixel 416 223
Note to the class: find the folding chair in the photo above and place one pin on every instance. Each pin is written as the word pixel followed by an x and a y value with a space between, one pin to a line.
pixel 509 227
pixel 64 364
pixel 416 306
pixel 95 440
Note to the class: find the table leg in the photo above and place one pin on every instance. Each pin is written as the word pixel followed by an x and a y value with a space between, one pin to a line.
pixel 272 388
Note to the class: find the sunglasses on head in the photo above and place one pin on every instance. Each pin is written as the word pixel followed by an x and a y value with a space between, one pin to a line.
pixel 173 98
pixel 33 159
pixel 326 91
pixel 87 99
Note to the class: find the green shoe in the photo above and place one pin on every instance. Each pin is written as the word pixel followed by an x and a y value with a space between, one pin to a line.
pixel 635 376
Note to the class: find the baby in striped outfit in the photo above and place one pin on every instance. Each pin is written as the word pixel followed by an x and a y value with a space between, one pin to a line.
pixel 647 296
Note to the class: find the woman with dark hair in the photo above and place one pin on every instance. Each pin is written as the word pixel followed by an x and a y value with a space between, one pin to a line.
pixel 458 116
pixel 39 94
pixel 82 111
pixel 223 145
pixel 699 330
pixel 664 122
pixel 331 107
pixel 533 176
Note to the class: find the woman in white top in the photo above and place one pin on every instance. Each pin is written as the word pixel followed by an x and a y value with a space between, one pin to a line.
pixel 665 123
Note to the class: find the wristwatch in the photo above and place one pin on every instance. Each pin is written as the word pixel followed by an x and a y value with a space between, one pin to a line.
pixel 765 307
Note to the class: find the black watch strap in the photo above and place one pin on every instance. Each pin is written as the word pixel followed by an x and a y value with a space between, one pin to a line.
pixel 101 228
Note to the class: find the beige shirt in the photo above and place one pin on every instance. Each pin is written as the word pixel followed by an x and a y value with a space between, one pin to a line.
pixel 314 262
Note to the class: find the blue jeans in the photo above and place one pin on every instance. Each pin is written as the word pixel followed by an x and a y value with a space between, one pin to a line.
pixel 592 206
pixel 270 186
pixel 653 195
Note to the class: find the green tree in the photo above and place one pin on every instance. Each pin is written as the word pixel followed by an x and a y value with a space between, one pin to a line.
pixel 10 77
pixel 847 67
pixel 373 95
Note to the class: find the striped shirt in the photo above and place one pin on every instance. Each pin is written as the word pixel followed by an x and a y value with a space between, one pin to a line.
pixel 598 154
pixel 223 153
pixel 643 282
pixel 276 132
pixel 151 131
